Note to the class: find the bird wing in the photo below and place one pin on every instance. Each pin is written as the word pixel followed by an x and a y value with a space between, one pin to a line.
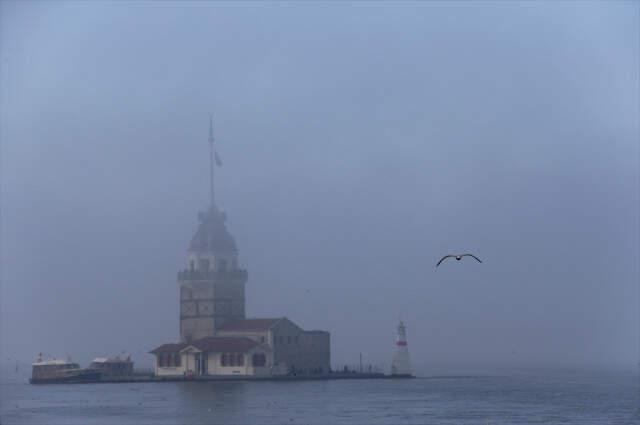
pixel 444 258
pixel 471 255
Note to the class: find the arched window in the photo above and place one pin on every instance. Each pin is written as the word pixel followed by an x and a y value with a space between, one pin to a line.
pixel 203 265
pixel 222 265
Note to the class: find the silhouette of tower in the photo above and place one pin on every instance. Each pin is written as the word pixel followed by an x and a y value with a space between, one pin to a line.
pixel 212 287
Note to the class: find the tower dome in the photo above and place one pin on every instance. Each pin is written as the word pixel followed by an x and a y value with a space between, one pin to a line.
pixel 212 235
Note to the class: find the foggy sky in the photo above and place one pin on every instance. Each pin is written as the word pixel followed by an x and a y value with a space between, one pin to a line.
pixel 360 143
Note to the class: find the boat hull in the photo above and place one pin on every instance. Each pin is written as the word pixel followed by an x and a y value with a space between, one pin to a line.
pixel 81 377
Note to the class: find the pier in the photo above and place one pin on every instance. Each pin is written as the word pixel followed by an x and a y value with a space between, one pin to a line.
pixel 131 379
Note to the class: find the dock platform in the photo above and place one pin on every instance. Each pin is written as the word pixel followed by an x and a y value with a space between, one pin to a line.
pixel 212 378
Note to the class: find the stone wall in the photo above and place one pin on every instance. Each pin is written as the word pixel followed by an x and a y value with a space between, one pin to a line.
pixel 206 305
pixel 300 352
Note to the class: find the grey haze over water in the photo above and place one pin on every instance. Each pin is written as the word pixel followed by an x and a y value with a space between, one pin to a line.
pixel 360 141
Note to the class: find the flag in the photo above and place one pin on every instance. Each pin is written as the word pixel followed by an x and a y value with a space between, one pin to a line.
pixel 218 160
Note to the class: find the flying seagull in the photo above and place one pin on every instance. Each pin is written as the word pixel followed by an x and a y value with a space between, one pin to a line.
pixel 458 257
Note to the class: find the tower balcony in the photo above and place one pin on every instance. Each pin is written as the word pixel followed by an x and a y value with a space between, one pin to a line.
pixel 188 274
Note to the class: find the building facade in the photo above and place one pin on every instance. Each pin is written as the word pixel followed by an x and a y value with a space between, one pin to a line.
pixel 215 336
pixel 213 356
pixel 258 347
pixel 295 351
pixel 212 286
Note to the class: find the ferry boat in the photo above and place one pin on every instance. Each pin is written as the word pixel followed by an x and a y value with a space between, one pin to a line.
pixel 113 367
pixel 61 372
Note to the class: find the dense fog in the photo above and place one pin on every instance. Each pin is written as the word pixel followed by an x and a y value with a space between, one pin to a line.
pixel 360 142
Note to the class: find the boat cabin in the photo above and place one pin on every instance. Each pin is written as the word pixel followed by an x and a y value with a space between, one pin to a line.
pixel 110 367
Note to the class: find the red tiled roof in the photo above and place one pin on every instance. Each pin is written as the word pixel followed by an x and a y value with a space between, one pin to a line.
pixel 168 348
pixel 248 325
pixel 227 344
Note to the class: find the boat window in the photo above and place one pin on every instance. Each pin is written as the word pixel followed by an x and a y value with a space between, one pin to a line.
pixel 240 360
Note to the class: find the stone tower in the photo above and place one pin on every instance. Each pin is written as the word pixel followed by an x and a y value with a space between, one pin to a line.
pixel 212 285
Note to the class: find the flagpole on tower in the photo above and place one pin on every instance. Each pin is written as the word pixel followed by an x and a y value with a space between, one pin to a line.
pixel 211 151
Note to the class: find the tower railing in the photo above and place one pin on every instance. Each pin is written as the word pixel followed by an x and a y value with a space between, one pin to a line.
pixel 188 274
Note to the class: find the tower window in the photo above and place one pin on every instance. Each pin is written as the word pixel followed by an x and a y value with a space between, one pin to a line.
pixel 203 264
pixel 222 265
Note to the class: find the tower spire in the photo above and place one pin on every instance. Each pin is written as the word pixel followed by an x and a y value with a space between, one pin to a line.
pixel 211 153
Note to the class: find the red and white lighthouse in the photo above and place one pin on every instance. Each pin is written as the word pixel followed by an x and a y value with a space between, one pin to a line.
pixel 401 366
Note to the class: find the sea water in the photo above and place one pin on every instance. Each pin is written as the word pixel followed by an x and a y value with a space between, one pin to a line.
pixel 537 397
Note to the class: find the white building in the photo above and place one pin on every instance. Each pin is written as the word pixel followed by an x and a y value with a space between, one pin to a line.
pixel 213 356
pixel 259 347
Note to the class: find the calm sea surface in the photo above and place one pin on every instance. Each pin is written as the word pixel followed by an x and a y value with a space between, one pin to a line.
pixel 515 398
